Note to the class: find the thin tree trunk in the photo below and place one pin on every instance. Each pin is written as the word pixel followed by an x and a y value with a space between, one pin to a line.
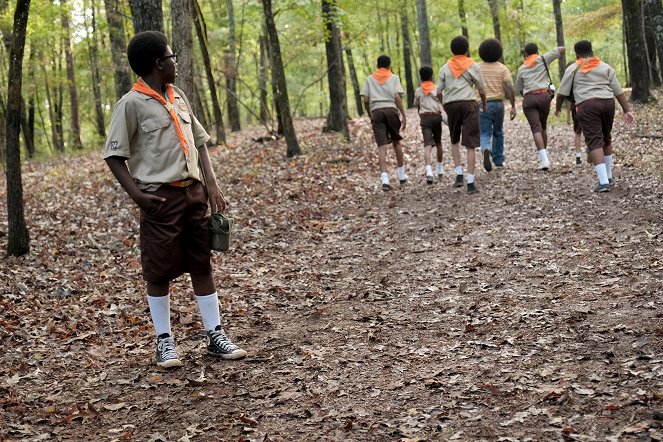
pixel 338 107
pixel 624 55
pixel 279 81
pixel 559 27
pixel 262 80
pixel 118 43
pixel 463 18
pixel 656 11
pixel 182 44
pixel 18 239
pixel 59 147
pixel 231 71
pixel 425 56
pixel 96 77
pixel 650 39
pixel 637 59
pixel 407 59
pixel 71 80
pixel 201 32
pixel 25 128
pixel 199 103
pixel 147 16
pixel 355 81
pixel 495 14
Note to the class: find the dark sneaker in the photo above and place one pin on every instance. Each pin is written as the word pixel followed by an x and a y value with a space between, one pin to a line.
pixel 487 164
pixel 386 187
pixel 578 161
pixel 403 181
pixel 471 188
pixel 165 354
pixel 611 182
pixel 220 346
pixel 440 176
pixel 600 188
pixel 429 179
pixel 459 181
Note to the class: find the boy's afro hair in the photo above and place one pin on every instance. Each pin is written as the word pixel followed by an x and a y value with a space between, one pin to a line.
pixel 531 48
pixel 583 48
pixel 384 61
pixel 144 49
pixel 460 45
pixel 426 73
pixel 490 50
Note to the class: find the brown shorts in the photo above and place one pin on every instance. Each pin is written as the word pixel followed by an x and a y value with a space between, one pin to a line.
pixel 386 125
pixel 464 120
pixel 174 235
pixel 576 123
pixel 536 108
pixel 596 117
pixel 431 128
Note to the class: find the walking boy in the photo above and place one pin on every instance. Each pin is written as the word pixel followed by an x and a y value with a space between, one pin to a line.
pixel 534 84
pixel 382 93
pixel 156 149
pixel 594 86
pixel 498 86
pixel 457 79
pixel 428 101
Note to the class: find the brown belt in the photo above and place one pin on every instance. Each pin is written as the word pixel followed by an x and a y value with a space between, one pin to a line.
pixel 539 91
pixel 430 114
pixel 183 183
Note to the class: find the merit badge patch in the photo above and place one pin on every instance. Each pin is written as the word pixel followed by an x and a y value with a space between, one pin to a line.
pixel 113 145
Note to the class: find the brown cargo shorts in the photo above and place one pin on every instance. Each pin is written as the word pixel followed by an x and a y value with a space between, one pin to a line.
pixel 386 125
pixel 536 108
pixel 431 128
pixel 463 118
pixel 596 117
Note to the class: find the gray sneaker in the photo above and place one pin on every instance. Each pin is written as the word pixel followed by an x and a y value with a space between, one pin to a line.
pixel 600 188
pixel 219 345
pixel 165 355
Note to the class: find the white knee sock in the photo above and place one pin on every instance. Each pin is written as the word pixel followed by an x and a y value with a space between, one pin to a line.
pixel 429 170
pixel 543 156
pixel 602 173
pixel 384 177
pixel 440 168
pixel 459 170
pixel 470 178
pixel 608 165
pixel 209 310
pixel 160 312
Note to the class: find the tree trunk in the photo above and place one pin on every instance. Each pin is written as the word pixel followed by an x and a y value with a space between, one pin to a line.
pixel 231 71
pixel 338 106
pixel 559 27
pixel 71 80
pixel 50 100
pixel 262 80
pixel 182 44
pixel 147 16
pixel 18 240
pixel 463 18
pixel 656 12
pixel 637 59
pixel 495 14
pixel 425 56
pixel 118 43
pixel 25 128
pixel 407 59
pixel 624 56
pixel 355 81
pixel 279 82
pixel 650 39
pixel 93 49
pixel 201 32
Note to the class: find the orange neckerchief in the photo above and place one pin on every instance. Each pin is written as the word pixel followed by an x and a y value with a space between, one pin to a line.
pixel 590 65
pixel 530 61
pixel 382 75
pixel 427 87
pixel 141 87
pixel 459 64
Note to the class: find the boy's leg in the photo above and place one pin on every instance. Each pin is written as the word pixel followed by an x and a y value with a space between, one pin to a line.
pixel 532 108
pixel 455 154
pixel 577 142
pixel 382 160
pixel 158 301
pixel 486 124
pixel 400 161
pixel 440 162
pixel 498 136
pixel 590 117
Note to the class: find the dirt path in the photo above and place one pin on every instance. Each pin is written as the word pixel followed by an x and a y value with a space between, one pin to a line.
pixel 530 311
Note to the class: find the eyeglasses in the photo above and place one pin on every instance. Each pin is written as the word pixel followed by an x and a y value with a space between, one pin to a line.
pixel 174 57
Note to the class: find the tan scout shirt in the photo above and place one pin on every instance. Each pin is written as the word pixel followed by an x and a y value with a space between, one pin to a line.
pixel 531 79
pixel 600 82
pixel 142 131
pixel 427 103
pixel 382 95
pixel 461 88
pixel 495 77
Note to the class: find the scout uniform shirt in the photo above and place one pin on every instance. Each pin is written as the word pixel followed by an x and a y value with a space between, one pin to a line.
pixel 457 78
pixel 426 98
pixel 142 131
pixel 380 89
pixel 593 79
pixel 532 73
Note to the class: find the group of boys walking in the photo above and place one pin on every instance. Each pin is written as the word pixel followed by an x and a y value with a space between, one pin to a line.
pixel 470 96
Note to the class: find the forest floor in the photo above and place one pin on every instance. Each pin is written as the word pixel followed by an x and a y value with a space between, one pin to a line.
pixel 529 311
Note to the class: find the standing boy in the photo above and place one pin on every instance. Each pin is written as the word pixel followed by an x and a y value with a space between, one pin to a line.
pixel 457 79
pixel 498 86
pixel 594 86
pixel 428 101
pixel 156 149
pixel 382 93
pixel 534 84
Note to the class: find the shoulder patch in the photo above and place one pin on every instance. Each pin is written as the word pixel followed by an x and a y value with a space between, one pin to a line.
pixel 113 145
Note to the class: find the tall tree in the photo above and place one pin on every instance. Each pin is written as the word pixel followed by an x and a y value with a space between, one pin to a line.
pixel 93 51
pixel 637 58
pixel 262 79
pixel 559 27
pixel 147 15
pixel 655 8
pixel 407 58
pixel 355 81
pixel 71 79
pixel 338 106
pixel 495 14
pixel 231 71
pixel 201 32
pixel 118 43
pixel 425 56
pixel 18 240
pixel 182 44
pixel 650 39
pixel 463 18
pixel 279 82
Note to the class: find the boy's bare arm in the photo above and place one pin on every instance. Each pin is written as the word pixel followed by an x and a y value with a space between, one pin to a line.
pixel 510 94
pixel 216 200
pixel 367 105
pixel 118 168
pixel 399 105
pixel 482 94
pixel 628 114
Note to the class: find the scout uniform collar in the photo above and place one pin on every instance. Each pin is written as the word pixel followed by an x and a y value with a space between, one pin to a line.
pixel 588 64
pixel 530 61
pixel 459 64
pixel 382 75
pixel 427 87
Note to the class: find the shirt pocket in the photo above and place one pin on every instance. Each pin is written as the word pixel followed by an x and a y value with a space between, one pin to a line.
pixel 154 123
pixel 153 132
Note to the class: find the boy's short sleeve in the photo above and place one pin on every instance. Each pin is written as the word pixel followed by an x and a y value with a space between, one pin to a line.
pixel 123 125
pixel 398 87
pixel 565 82
pixel 477 76
pixel 506 75
pixel 364 90
pixel 200 135
pixel 551 56
pixel 614 83
pixel 440 79
pixel 417 94
pixel 520 85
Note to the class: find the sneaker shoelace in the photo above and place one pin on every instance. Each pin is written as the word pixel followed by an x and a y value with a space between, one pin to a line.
pixel 221 340
pixel 166 347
